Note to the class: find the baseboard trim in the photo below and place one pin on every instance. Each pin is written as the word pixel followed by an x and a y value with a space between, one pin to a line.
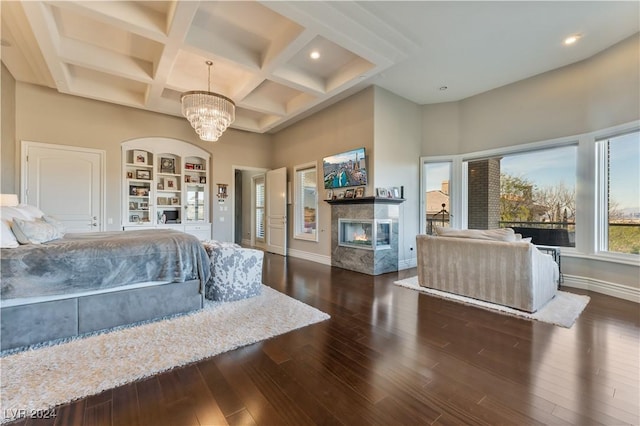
pixel 318 258
pixel 610 289
pixel 408 263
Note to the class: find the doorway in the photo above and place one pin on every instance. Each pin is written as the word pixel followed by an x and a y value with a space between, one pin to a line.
pixel 244 200
pixel 66 182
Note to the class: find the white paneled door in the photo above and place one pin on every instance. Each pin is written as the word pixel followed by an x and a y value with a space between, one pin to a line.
pixel 65 182
pixel 277 211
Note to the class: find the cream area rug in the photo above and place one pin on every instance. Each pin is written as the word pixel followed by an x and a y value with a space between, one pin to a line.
pixel 562 310
pixel 42 378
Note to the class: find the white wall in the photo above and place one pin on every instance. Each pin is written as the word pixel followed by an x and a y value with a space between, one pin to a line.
pixel 397 138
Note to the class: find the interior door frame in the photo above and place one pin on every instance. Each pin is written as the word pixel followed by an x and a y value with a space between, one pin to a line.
pixel 233 200
pixel 24 171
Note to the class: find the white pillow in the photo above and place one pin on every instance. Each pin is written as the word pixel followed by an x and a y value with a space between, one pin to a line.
pixel 34 231
pixel 7 214
pixel 30 212
pixel 503 234
pixel 7 238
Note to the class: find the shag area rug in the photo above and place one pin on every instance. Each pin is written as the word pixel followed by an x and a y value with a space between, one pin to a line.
pixel 42 378
pixel 562 310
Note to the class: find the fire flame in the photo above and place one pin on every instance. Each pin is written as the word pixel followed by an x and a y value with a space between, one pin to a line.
pixel 360 237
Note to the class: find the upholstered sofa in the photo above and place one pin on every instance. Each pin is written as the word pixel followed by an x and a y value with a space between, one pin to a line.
pixel 494 268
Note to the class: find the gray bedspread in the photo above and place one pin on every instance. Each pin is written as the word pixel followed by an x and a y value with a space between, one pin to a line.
pixel 96 261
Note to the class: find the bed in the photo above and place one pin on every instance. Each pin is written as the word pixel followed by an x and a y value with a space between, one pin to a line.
pixel 81 283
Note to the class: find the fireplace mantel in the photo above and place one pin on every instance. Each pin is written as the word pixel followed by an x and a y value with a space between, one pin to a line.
pixel 366 200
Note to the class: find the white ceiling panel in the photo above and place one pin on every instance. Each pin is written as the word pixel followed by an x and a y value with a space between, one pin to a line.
pixel 146 53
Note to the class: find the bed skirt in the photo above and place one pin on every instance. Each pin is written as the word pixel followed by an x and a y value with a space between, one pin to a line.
pixel 32 323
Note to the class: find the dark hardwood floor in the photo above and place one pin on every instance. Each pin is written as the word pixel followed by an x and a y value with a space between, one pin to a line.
pixel 393 356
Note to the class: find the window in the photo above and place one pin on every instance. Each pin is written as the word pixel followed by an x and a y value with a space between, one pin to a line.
pixel 533 192
pixel 437 179
pixel 259 189
pixel 618 162
pixel 305 202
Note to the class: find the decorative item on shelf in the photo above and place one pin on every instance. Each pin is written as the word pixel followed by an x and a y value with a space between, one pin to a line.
pixel 174 201
pixel 160 186
pixel 203 179
pixel 222 190
pixel 140 157
pixel 171 184
pixel 349 193
pixel 143 174
pixel 330 194
pixel 359 192
pixel 167 165
pixel 209 113
pixel 189 166
pixel 129 175
pixel 394 192
pixel 382 193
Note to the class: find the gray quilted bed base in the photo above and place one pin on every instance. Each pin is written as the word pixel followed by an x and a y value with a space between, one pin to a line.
pixel 29 324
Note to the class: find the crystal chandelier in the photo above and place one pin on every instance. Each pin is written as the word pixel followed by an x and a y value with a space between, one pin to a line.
pixel 209 113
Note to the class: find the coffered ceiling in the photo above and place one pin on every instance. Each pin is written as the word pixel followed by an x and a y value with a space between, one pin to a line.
pixel 144 54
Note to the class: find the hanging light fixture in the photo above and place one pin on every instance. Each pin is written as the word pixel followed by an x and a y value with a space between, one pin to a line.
pixel 209 113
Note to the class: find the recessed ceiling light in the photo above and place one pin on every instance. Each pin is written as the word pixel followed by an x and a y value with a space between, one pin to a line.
pixel 314 54
pixel 571 39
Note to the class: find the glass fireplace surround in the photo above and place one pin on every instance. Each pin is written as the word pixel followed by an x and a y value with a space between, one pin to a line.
pixel 367 234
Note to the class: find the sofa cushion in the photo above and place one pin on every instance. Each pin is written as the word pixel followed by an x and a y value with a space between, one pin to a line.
pixel 503 234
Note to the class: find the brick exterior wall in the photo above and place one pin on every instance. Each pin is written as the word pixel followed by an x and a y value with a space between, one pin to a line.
pixel 484 194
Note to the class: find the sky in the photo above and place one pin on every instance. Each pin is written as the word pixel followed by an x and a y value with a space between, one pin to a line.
pixel 551 166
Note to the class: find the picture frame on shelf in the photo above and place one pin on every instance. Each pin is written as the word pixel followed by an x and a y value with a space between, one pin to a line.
pixel 203 179
pixel 129 175
pixel 382 193
pixel 135 218
pixel 174 201
pixel 330 194
pixel 133 205
pixel 349 193
pixel 140 157
pixel 160 186
pixel 171 184
pixel 143 205
pixel 359 193
pixel 143 174
pixel 394 192
pixel 162 201
pixel 167 165
pixel 340 195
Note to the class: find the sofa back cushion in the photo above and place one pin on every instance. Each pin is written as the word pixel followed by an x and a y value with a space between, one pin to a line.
pixel 503 234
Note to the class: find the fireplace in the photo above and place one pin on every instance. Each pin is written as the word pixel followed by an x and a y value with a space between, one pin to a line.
pixel 366 234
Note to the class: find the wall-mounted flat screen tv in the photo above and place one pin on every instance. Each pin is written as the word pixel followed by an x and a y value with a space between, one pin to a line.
pixel 345 169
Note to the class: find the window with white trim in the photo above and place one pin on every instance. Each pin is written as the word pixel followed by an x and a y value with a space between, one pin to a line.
pixel 259 190
pixel 305 199
pixel 618 196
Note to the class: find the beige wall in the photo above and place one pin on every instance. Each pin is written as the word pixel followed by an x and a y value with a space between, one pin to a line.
pixel 341 127
pixel 599 92
pixel 8 132
pixel 397 137
pixel 44 115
